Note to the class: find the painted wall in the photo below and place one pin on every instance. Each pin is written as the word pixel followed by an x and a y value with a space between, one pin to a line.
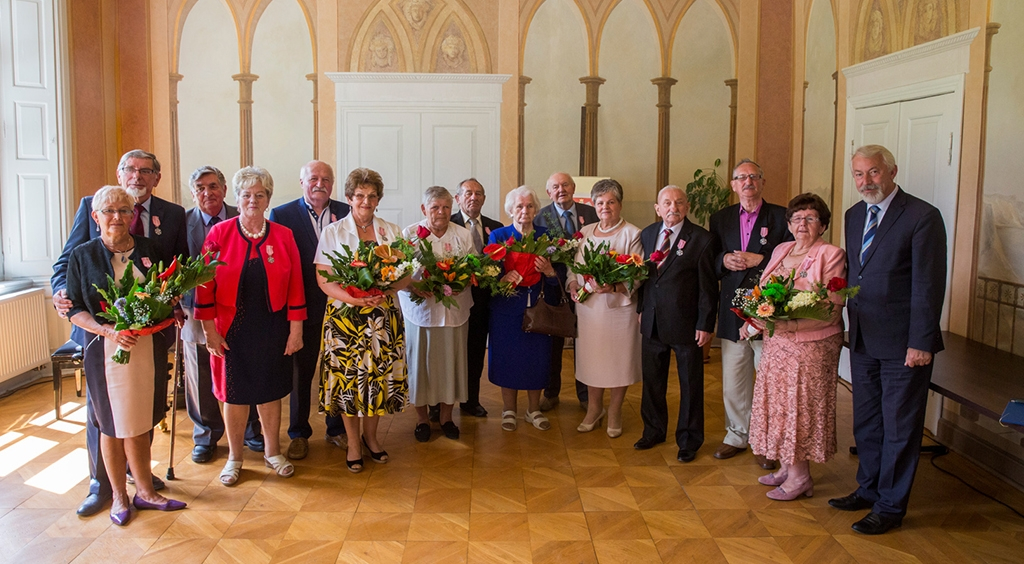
pixel 819 101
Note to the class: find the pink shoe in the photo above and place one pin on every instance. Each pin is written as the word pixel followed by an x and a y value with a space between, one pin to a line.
pixel 779 494
pixel 772 479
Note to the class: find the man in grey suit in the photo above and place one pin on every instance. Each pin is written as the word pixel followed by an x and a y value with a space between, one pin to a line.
pixel 562 218
pixel 208 191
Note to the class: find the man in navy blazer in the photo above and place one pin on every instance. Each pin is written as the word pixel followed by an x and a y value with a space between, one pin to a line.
pixel 747 233
pixel 138 172
pixel 307 217
pixel 563 217
pixel 677 307
pixel 896 249
pixel 470 198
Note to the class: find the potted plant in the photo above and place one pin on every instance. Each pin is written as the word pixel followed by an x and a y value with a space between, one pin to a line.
pixel 707 193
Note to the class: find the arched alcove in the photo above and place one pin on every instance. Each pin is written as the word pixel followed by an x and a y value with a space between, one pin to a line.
pixel 555 58
pixel 282 114
pixel 629 57
pixel 819 101
pixel 207 96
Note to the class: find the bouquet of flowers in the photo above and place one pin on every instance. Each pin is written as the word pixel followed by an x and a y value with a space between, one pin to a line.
pixel 520 255
pixel 776 300
pixel 144 308
pixel 603 266
pixel 372 268
pixel 488 275
pixel 443 276
pixel 563 249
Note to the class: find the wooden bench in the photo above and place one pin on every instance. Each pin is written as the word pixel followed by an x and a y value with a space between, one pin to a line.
pixel 977 375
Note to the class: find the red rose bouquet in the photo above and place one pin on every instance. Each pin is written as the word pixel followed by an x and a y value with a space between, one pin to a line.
pixel 777 300
pixel 602 266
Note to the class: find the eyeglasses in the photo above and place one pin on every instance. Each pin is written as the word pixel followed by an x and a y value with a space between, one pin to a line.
pixel 123 212
pixel 142 171
pixel 808 220
pixel 742 177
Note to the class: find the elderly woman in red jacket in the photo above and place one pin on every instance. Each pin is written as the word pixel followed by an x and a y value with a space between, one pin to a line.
pixel 252 316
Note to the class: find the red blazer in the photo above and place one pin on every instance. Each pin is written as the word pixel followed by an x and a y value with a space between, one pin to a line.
pixel 217 299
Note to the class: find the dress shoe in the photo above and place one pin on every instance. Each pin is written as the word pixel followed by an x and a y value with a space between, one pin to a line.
pixel 422 432
pixel 474 410
pixel 450 430
pixel 588 427
pixel 434 413
pixel 876 524
pixel 201 454
pixel 547 404
pixel 92 504
pixel 158 484
pixel 725 451
pixel 255 444
pixel 772 479
pixel 340 440
pixel 169 505
pixel 298 448
pixel 852 502
pixel 764 463
pixel 779 494
pixel 121 518
pixel 645 443
pixel 686 455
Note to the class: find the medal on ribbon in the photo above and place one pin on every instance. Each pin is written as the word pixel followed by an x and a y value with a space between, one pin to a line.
pixel 764 235
pixel 270 254
pixel 156 225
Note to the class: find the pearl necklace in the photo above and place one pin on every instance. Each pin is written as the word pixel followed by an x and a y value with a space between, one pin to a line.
pixel 610 229
pixel 263 230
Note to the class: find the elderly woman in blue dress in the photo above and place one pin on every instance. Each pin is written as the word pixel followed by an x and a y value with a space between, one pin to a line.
pixel 518 360
pixel 436 335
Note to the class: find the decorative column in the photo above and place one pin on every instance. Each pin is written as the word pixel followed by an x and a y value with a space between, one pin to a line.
pixel 732 84
pixel 521 167
pixel 316 115
pixel 175 144
pixel 835 199
pixel 245 81
pixel 991 29
pixel 664 85
pixel 589 153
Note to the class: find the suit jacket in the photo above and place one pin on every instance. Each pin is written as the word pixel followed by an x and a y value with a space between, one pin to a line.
pixel 680 297
pixel 192 331
pixel 902 279
pixel 550 218
pixel 725 226
pixel 481 298
pixel 89 264
pixel 295 216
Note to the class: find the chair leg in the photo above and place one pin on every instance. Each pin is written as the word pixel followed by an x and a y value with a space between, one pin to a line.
pixel 78 382
pixel 57 375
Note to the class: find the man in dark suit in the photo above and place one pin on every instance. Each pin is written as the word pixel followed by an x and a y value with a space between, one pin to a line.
pixel 138 173
pixel 307 217
pixel 677 306
pixel 563 217
pixel 747 233
pixel 208 191
pixel 470 198
pixel 896 249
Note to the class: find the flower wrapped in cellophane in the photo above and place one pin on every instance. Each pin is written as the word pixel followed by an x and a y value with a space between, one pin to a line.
pixel 443 275
pixel 776 300
pixel 371 269
pixel 603 266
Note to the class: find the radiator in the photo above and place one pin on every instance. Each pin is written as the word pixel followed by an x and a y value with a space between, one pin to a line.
pixel 23 338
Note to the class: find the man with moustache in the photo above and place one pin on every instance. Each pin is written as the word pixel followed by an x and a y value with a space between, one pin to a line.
pixel 747 233
pixel 307 217
pixel 470 198
pixel 563 217
pixel 677 306
pixel 138 173
pixel 208 190
pixel 896 249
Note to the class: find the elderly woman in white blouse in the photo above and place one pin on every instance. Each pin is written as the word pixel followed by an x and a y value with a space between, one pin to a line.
pixel 436 335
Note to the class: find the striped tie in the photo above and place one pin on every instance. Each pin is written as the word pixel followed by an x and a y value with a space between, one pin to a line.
pixel 665 245
pixel 869 234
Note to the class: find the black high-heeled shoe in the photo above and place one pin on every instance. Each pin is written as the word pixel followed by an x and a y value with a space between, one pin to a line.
pixel 378 457
pixel 355 466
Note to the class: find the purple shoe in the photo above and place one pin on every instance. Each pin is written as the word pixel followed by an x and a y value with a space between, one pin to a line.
pixel 121 518
pixel 171 505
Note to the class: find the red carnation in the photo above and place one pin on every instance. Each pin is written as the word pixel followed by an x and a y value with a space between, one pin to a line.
pixel 657 256
pixel 422 232
pixel 836 284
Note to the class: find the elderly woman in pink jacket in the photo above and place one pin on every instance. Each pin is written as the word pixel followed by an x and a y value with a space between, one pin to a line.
pixel 793 418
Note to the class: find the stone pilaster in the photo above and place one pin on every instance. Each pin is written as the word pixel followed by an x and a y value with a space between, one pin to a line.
pixel 316 115
pixel 589 146
pixel 732 83
pixel 175 141
pixel 245 81
pixel 521 157
pixel 664 85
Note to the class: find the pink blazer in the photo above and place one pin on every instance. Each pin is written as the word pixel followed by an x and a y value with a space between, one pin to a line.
pixel 822 263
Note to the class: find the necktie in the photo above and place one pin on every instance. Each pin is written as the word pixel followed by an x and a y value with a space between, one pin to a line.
pixel 137 228
pixel 869 234
pixel 570 225
pixel 214 221
pixel 478 242
pixel 665 246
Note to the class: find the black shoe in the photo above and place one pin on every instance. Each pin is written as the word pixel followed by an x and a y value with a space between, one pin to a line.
pixel 686 455
pixel 876 524
pixel 158 484
pixel 422 432
pixel 450 430
pixel 852 502
pixel 92 504
pixel 378 457
pixel 256 444
pixel 201 454
pixel 474 410
pixel 645 443
pixel 434 413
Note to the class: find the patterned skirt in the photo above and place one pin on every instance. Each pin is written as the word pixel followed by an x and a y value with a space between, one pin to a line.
pixel 362 368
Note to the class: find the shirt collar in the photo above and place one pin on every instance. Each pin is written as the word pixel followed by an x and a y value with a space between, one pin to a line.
pixel 561 212
pixel 222 215
pixel 754 213
pixel 884 204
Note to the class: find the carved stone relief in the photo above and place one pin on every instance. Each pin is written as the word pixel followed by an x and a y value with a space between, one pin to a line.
pixel 381 54
pixel 452 55
pixel 875 41
pixel 927 21
pixel 416 12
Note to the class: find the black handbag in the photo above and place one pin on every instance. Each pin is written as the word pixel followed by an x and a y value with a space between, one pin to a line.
pixel 555 320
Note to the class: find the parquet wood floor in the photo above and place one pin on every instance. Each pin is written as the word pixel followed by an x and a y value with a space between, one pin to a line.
pixel 492 496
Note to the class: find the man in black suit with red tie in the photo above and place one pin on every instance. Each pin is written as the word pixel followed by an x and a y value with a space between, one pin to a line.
pixel 896 249
pixel 307 217
pixel 470 198
pixel 677 307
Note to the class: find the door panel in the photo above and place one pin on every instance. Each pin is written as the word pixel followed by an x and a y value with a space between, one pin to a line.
pixel 389 143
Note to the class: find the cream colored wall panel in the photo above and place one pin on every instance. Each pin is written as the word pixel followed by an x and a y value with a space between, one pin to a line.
pixel 35 198
pixel 30 129
pixel 28 18
pixel 819 103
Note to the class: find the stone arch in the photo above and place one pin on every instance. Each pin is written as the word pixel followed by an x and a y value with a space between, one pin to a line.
pixel 526 15
pixel 454 20
pixel 179 10
pixel 726 22
pixel 877 30
pixel 379 22
pixel 596 57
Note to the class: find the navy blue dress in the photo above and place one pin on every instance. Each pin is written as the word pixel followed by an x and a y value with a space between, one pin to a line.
pixel 516 359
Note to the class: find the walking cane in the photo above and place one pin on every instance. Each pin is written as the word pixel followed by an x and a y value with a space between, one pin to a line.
pixel 174 399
